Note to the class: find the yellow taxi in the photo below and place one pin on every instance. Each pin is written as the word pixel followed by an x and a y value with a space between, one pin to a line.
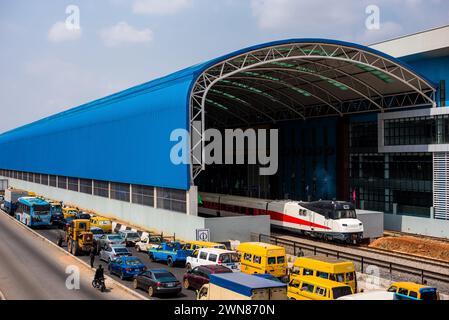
pixel 69 212
pixel 326 268
pixel 103 223
pixel 313 288
pixel 262 258
pixel 195 245
pixel 414 291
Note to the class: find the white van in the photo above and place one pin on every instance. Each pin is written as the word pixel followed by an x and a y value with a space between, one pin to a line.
pixel 211 256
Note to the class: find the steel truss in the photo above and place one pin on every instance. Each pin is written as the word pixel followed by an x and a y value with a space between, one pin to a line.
pixel 312 57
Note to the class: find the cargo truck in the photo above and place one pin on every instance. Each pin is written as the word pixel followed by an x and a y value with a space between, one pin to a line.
pixel 12 199
pixel 241 286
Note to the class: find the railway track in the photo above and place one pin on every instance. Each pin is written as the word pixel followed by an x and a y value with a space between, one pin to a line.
pixel 387 253
pixel 404 234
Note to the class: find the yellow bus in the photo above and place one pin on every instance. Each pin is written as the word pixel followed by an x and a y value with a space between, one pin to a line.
pixel 195 245
pixel 313 288
pixel 262 258
pixel 102 223
pixel 414 291
pixel 326 268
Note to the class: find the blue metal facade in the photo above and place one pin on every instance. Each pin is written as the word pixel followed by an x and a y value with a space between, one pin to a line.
pixel 124 137
pixel 121 139
pixel 434 68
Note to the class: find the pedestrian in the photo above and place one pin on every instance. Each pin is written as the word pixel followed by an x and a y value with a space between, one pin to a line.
pixel 60 239
pixel 92 257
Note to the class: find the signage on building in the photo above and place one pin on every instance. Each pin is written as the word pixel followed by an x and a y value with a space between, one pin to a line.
pixel 203 235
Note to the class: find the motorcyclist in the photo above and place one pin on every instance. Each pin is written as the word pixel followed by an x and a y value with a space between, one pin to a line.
pixel 99 274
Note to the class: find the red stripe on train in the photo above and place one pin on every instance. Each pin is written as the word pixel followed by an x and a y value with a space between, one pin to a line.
pixel 277 216
pixel 286 218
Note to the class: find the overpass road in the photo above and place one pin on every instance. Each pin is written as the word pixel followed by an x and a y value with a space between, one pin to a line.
pixel 32 269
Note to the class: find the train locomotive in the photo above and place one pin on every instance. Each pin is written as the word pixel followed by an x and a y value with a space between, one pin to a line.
pixel 327 220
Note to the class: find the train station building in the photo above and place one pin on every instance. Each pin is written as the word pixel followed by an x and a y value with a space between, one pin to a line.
pixel 356 123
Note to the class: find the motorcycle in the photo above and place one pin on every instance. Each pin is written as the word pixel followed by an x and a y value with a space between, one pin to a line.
pixel 99 284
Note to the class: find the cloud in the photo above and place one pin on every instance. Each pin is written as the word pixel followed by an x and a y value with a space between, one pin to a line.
pixel 160 7
pixel 287 14
pixel 123 33
pixel 59 32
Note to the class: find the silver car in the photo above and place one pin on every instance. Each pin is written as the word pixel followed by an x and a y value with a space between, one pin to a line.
pixel 98 233
pixel 107 240
pixel 113 252
pixel 130 237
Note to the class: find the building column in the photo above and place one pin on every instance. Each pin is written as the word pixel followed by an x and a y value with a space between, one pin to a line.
pixel 192 201
pixel 155 198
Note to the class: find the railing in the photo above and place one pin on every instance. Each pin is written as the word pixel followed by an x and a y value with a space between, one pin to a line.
pixel 297 249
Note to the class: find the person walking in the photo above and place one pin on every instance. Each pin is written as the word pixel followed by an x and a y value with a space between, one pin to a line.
pixel 92 257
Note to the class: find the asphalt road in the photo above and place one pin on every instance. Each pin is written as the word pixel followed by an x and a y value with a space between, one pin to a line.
pixel 52 235
pixel 32 269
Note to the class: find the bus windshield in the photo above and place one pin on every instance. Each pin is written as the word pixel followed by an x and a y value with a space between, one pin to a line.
pixel 41 210
pixel 345 214
pixel 57 209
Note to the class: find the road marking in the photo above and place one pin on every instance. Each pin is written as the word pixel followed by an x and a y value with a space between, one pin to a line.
pixel 132 292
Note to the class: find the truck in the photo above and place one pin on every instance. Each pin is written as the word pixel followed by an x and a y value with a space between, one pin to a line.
pixel 12 199
pixel 169 252
pixel 57 217
pixel 147 243
pixel 241 286
pixel 79 238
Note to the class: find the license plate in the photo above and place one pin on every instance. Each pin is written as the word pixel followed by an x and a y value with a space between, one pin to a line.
pixel 170 285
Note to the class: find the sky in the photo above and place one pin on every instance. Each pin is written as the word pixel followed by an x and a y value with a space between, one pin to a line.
pixel 56 54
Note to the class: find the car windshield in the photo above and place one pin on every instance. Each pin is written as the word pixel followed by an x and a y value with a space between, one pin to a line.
pixel 429 294
pixel 165 277
pixel 341 292
pixel 97 231
pixel 114 238
pixel 134 262
pixel 344 214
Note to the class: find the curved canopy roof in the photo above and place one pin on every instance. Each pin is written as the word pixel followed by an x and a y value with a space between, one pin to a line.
pixel 305 78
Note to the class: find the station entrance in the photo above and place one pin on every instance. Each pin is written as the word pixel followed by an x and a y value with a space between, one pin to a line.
pixel 324 98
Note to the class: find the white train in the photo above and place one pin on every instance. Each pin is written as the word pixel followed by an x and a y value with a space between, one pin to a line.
pixel 329 220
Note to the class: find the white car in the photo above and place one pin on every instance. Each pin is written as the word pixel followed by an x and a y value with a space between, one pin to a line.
pixel 208 256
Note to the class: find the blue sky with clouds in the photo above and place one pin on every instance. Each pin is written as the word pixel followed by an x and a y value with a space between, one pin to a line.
pixel 46 68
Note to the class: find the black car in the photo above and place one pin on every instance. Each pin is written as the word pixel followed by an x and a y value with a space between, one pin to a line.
pixel 82 216
pixel 158 281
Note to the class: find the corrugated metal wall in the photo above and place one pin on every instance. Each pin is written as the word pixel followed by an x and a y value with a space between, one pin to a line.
pixel 121 140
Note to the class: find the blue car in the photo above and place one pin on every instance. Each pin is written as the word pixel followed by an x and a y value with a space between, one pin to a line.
pixel 126 267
